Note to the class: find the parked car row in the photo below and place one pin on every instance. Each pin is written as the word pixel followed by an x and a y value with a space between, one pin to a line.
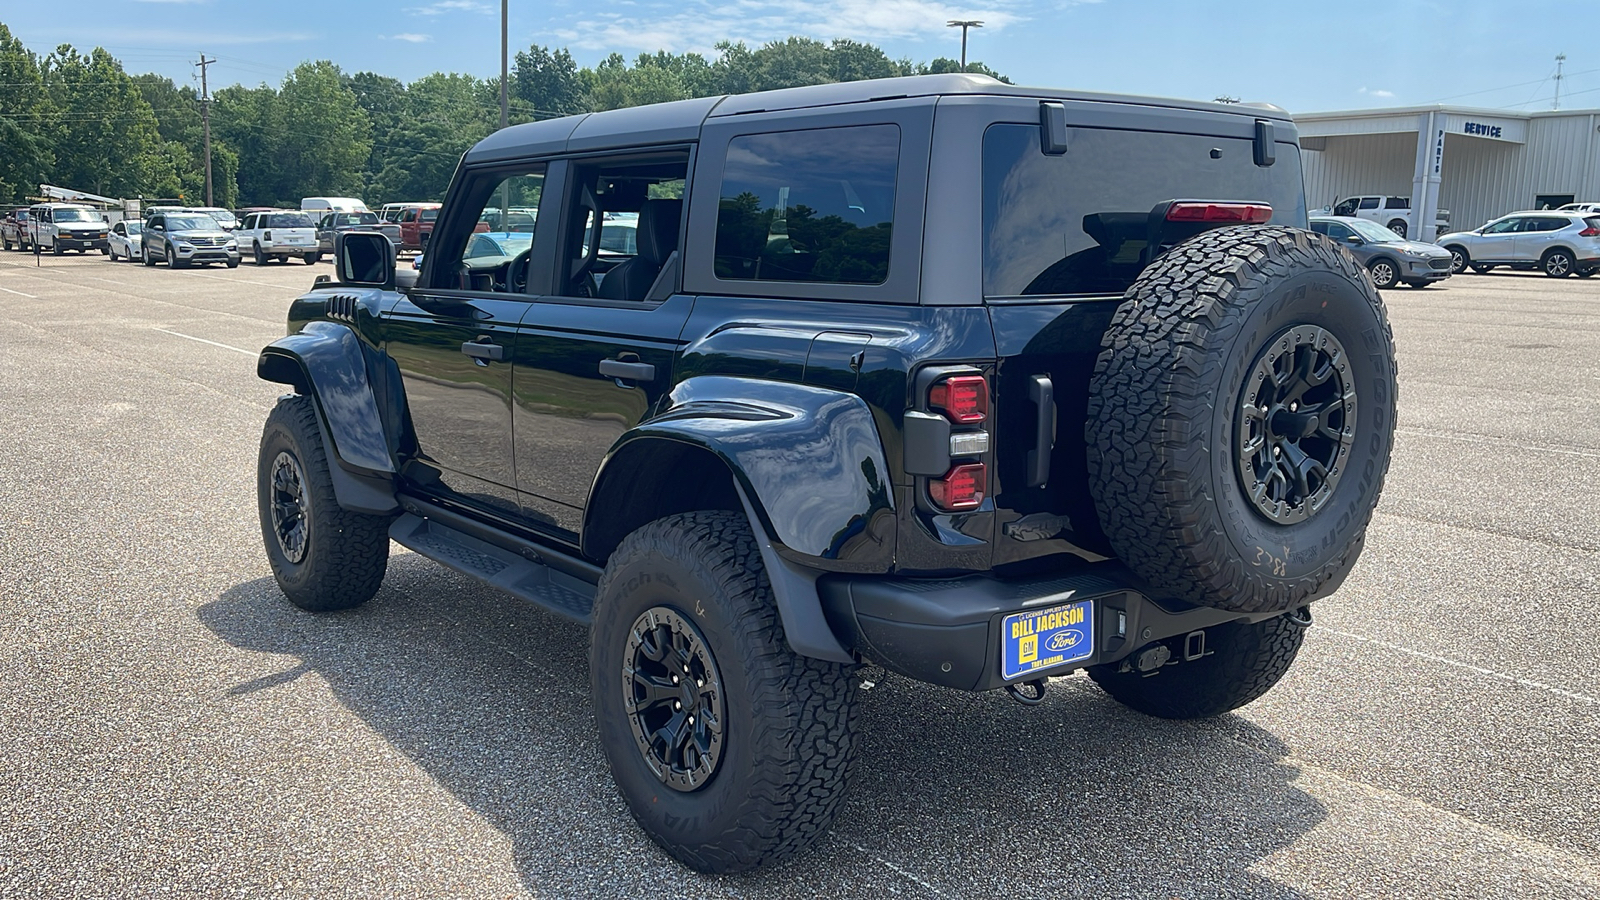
pixel 1558 242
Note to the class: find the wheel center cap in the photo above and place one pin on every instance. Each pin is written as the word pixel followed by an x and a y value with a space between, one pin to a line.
pixel 1293 425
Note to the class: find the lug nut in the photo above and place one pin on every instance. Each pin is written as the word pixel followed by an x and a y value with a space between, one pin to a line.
pixel 691 720
pixel 674 679
pixel 677 705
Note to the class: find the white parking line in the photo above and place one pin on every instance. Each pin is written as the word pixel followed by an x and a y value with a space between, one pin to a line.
pixel 284 287
pixel 204 341
pixel 1525 682
pixel 1487 439
pixel 19 293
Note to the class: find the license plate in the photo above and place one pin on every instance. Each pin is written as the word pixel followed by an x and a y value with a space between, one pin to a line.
pixel 1043 639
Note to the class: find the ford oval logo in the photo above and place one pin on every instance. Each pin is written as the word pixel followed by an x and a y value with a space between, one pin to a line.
pixel 1063 640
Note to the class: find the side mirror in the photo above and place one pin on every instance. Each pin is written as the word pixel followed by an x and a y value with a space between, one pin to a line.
pixel 1353 239
pixel 365 259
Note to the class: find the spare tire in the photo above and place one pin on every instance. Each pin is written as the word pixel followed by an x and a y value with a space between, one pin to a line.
pixel 1241 417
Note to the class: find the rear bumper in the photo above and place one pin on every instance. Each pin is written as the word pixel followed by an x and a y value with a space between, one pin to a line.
pixel 948 631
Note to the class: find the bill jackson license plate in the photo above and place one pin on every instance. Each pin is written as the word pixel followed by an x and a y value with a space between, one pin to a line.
pixel 1044 639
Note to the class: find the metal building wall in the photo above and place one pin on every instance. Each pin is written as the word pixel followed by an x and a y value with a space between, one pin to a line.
pixel 1361 164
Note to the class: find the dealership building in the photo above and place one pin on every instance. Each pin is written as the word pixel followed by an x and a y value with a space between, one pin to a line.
pixel 1478 164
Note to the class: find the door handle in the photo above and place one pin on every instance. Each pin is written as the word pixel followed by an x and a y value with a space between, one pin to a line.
pixel 478 350
pixel 1042 392
pixel 627 371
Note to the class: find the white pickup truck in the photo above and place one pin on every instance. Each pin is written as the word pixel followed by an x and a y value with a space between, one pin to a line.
pixel 1390 211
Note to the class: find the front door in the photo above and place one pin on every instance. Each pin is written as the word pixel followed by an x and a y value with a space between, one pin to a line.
pixel 595 354
pixel 453 338
pixel 1498 241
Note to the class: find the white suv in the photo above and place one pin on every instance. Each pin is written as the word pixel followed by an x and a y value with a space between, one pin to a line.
pixel 1556 242
pixel 278 234
pixel 1391 211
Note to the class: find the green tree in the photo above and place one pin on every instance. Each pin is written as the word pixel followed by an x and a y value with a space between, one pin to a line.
pixel 384 101
pixel 25 111
pixel 250 121
pixel 546 83
pixel 177 111
pixel 105 139
pixel 326 136
pixel 445 114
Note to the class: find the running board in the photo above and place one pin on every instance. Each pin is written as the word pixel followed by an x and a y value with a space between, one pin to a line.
pixel 496 566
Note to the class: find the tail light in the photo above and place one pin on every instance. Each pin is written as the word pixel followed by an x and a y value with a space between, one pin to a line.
pixel 1243 213
pixel 961 488
pixel 1591 231
pixel 964 399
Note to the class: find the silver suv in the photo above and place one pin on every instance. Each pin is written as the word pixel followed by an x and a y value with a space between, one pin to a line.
pixel 181 239
pixel 1557 242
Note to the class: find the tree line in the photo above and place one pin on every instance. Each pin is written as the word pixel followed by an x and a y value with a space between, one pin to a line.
pixel 79 120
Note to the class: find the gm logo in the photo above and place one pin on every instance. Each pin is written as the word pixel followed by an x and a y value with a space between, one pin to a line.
pixel 1063 640
pixel 1479 128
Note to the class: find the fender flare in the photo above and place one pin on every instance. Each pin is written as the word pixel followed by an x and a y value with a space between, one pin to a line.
pixel 781 442
pixel 325 361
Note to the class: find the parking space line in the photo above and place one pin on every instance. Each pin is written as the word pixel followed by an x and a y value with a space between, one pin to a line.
pixel 19 293
pixel 283 287
pixel 902 872
pixel 1489 439
pixel 204 341
pixel 1525 682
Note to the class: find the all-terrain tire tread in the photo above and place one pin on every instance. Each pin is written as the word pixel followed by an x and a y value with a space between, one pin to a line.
pixel 1152 387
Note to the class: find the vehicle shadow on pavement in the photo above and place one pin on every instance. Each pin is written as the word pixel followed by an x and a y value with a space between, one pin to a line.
pixel 954 794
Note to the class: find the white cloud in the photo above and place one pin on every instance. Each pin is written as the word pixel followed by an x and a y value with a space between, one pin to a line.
pixel 1375 92
pixel 699 27
pixel 410 37
pixel 441 7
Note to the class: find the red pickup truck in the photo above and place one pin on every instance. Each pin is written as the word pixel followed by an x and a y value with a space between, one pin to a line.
pixel 14 230
pixel 416 224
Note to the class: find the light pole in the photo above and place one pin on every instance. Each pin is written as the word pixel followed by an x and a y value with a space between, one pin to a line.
pixel 964 24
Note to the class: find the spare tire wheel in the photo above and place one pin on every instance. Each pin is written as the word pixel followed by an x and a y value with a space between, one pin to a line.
pixel 1241 417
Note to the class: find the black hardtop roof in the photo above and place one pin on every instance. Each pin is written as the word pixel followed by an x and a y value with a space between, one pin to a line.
pixel 680 120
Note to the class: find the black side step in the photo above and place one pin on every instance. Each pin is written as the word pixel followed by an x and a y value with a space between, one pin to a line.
pixel 496 566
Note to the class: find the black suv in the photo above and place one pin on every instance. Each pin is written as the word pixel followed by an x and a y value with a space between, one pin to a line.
pixel 977 383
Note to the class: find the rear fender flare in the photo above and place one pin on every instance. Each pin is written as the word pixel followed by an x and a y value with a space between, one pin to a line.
pixel 325 360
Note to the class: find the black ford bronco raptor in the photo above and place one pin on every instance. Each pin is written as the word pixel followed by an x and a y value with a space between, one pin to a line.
pixel 977 383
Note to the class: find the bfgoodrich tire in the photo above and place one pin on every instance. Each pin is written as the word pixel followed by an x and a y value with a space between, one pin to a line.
pixel 1241 417
pixel 1242 663
pixel 748 764
pixel 324 557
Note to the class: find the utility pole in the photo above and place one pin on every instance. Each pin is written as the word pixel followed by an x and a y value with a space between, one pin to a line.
pixel 1560 58
pixel 205 120
pixel 505 118
pixel 963 24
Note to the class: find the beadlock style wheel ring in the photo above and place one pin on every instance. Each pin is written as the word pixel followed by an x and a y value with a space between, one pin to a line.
pixel 672 693
pixel 1296 424
pixel 291 520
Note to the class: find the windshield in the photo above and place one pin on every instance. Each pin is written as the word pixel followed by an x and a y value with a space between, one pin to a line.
pixel 361 218
pixel 1372 231
pixel 222 216
pixel 134 227
pixel 76 215
pixel 288 220
pixel 191 223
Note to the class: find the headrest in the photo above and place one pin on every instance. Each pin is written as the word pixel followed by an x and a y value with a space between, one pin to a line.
pixel 658 229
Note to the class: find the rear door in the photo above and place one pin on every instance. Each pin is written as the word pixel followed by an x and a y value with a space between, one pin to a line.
pixel 1536 235
pixel 594 353
pixel 1063 236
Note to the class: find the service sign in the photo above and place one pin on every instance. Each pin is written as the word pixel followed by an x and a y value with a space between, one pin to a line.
pixel 1038 640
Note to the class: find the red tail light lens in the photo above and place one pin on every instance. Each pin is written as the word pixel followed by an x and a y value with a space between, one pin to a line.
pixel 1591 231
pixel 1243 213
pixel 963 399
pixel 961 488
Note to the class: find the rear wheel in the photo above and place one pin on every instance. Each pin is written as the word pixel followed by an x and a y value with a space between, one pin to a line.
pixel 1482 269
pixel 1241 663
pixel 311 258
pixel 1241 417
pixel 1398 226
pixel 1586 273
pixel 730 750
pixel 1556 263
pixel 323 556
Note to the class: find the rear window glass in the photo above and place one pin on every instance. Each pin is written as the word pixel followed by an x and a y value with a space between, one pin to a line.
pixel 288 220
pixel 1079 223
pixel 813 205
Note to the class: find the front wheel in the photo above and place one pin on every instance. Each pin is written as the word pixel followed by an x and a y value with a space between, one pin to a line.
pixel 730 750
pixel 323 556
pixel 105 251
pixel 146 258
pixel 1241 663
pixel 233 264
pixel 1459 260
pixel 1557 264
pixel 1383 273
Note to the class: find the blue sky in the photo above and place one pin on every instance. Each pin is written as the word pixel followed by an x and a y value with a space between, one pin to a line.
pixel 1334 54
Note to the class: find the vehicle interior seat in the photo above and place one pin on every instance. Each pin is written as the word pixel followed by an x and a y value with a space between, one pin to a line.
pixel 657 239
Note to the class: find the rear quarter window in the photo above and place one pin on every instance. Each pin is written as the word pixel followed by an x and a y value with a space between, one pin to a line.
pixel 1079 223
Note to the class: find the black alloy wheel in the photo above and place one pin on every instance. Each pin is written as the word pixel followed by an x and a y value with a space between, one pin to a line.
pixel 291 524
pixel 672 690
pixel 1557 264
pixel 1296 424
pixel 1383 273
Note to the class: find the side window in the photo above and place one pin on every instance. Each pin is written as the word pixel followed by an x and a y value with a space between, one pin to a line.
pixel 1339 232
pixel 488 250
pixel 1081 223
pixel 620 226
pixel 1320 227
pixel 1504 226
pixel 1369 202
pixel 1397 203
pixel 814 205
pixel 1346 207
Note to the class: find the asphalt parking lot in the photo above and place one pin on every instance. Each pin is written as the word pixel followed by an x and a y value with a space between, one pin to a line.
pixel 170 725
